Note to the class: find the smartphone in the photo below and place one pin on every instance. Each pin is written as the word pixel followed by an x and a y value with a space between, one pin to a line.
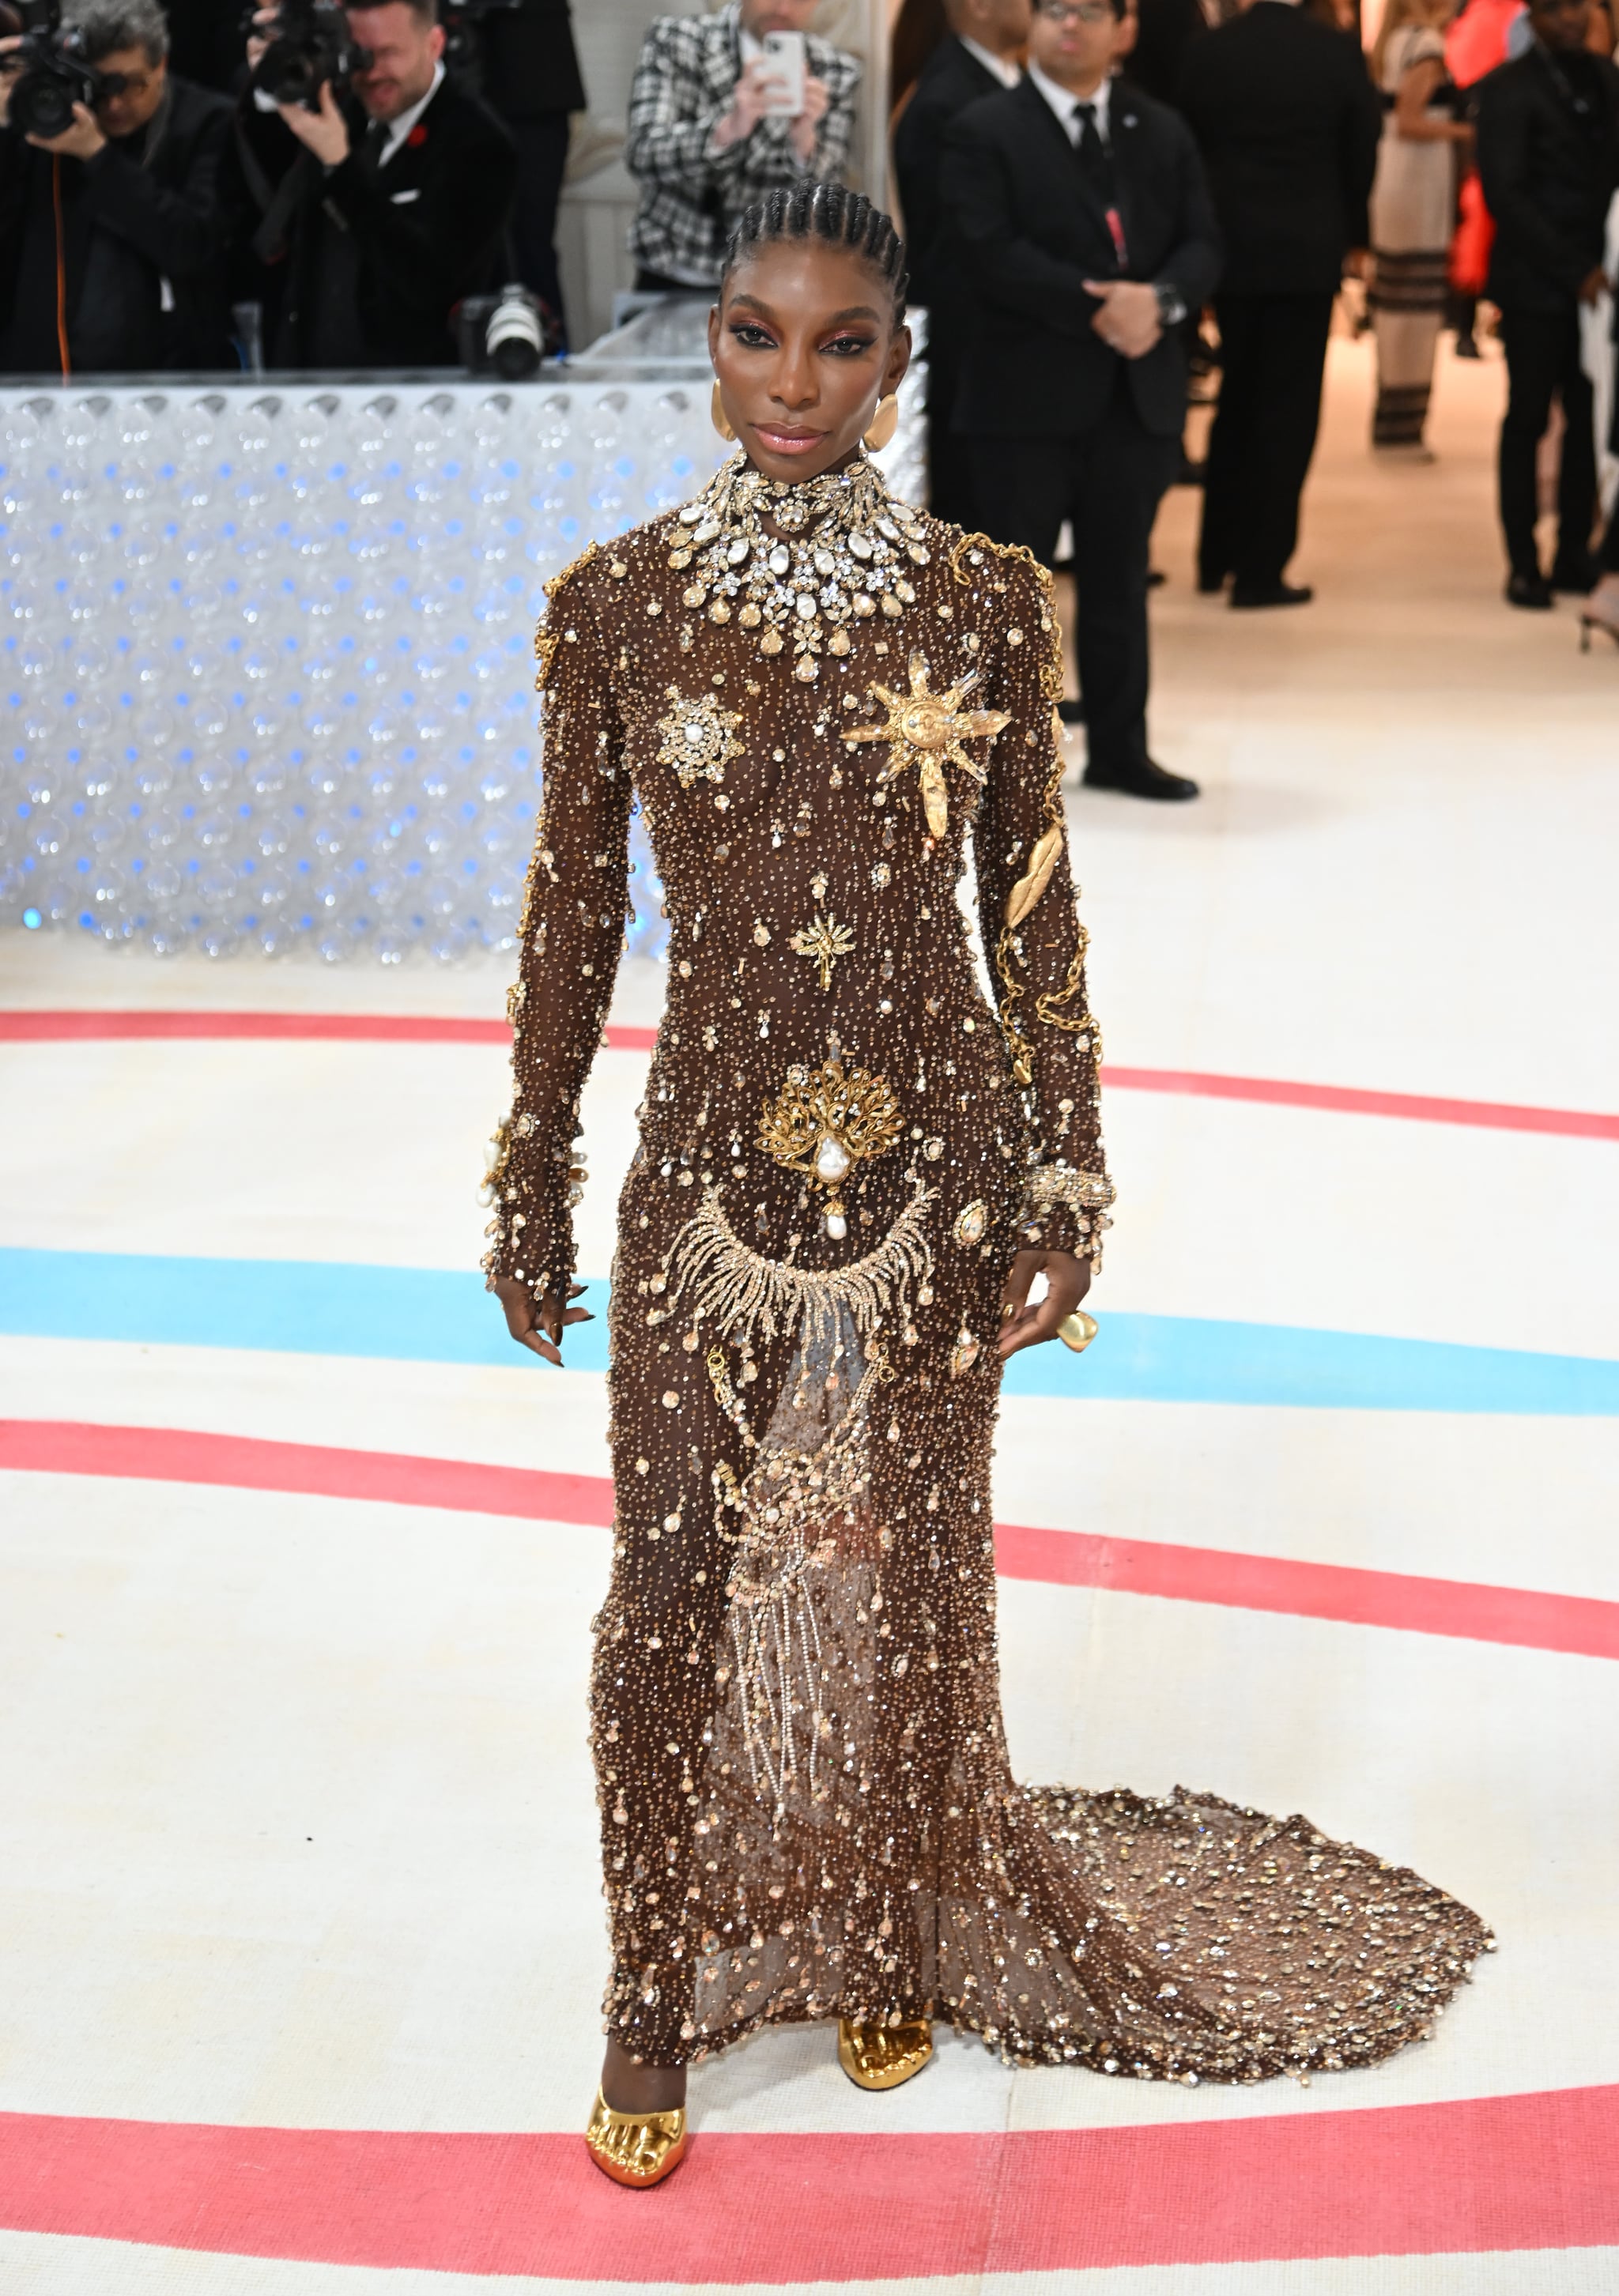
pixel 784 66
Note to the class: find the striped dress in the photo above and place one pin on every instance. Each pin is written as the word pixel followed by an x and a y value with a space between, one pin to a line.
pixel 1412 200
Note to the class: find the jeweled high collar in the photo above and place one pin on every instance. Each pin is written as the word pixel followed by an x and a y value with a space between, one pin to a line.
pixel 844 500
pixel 801 563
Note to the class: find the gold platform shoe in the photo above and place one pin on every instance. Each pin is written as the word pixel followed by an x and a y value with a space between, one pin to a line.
pixel 883 2056
pixel 635 2148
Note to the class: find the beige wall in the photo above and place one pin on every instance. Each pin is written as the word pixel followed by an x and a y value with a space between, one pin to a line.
pixel 600 198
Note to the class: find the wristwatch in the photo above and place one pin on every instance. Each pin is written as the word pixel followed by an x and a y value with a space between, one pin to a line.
pixel 1171 303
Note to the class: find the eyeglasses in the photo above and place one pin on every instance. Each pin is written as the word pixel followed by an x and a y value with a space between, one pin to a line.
pixel 1074 11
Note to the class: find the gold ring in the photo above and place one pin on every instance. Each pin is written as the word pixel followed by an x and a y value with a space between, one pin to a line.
pixel 1077 1331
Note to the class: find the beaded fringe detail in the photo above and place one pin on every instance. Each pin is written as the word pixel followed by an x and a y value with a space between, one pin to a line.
pixel 744 1293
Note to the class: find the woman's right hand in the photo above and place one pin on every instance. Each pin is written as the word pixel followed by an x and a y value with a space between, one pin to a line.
pixel 540 1328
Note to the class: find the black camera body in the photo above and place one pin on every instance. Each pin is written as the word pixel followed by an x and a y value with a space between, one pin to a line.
pixel 310 47
pixel 52 74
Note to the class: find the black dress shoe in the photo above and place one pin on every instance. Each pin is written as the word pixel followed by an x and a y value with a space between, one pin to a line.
pixel 1145 780
pixel 1575 576
pixel 1072 713
pixel 1270 593
pixel 1532 590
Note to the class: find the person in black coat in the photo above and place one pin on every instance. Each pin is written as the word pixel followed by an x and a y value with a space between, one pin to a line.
pixel 1085 224
pixel 980 55
pixel 143 230
pixel 1166 32
pixel 371 219
pixel 1289 125
pixel 1548 161
pixel 531 80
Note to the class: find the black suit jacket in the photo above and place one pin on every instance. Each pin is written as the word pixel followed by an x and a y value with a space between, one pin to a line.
pixel 146 211
pixel 1548 178
pixel 373 260
pixel 949 81
pixel 1289 125
pixel 1032 230
pixel 529 65
pixel 1165 30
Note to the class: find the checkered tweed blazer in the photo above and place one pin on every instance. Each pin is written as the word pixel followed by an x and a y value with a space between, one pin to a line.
pixel 690 195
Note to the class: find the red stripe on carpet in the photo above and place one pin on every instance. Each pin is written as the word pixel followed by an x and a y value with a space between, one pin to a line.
pixel 353 1028
pixel 1575 1625
pixel 1349 1100
pixel 1506 2173
pixel 428 1029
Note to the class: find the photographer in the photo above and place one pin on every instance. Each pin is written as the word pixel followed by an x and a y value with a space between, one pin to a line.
pixel 377 192
pixel 111 230
pixel 710 131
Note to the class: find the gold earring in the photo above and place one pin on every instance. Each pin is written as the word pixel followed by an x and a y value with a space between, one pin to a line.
pixel 884 422
pixel 717 417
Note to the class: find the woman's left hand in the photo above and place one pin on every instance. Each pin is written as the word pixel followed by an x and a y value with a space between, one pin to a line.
pixel 1067 1281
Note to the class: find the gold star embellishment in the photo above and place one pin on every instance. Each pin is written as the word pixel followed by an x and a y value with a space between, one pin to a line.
pixel 928 728
pixel 826 940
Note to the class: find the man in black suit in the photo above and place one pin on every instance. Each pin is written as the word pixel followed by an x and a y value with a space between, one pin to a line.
pixel 1086 227
pixel 1167 31
pixel 394 208
pixel 1289 124
pixel 531 80
pixel 127 199
pixel 1548 160
pixel 981 55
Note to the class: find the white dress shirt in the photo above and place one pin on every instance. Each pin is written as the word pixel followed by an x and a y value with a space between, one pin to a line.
pixel 1001 67
pixel 1066 107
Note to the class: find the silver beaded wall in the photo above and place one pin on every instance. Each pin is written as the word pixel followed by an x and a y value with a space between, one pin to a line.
pixel 265 650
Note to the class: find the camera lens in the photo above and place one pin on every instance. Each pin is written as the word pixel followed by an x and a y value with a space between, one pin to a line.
pixel 514 341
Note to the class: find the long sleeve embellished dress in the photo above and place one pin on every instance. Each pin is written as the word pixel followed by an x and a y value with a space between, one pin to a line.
pixel 818 696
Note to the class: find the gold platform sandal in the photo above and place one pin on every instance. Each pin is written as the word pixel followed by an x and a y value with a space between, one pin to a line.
pixel 883 2056
pixel 637 2149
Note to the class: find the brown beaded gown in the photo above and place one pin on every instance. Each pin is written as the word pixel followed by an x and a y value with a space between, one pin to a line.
pixel 819 697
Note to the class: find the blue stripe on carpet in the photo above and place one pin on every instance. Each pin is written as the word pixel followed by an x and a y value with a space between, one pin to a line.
pixel 444 1315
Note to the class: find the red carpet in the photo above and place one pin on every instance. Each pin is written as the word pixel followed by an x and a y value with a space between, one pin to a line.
pixel 1495 2173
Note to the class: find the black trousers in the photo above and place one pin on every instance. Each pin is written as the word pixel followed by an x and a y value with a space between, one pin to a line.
pixel 950 493
pixel 1107 483
pixel 542 154
pixel 1273 353
pixel 1543 363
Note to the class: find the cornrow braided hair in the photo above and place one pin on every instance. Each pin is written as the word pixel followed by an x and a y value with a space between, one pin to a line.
pixel 829 212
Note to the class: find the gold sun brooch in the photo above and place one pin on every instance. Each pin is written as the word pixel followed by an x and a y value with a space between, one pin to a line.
pixel 927 729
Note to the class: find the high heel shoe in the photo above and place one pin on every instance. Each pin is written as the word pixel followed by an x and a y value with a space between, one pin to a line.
pixel 883 2056
pixel 1590 622
pixel 639 2148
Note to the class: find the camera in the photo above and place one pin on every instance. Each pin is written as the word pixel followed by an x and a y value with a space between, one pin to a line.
pixel 310 46
pixel 506 334
pixel 52 74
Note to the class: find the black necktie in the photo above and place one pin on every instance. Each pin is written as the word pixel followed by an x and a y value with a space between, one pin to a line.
pixel 1092 153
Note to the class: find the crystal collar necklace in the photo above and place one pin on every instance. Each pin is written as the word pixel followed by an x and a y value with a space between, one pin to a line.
pixel 838 549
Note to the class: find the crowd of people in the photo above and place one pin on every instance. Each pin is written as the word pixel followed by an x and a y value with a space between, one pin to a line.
pixel 327 190
pixel 1088 188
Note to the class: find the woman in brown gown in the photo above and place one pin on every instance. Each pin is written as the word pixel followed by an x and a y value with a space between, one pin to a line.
pixel 851 1169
